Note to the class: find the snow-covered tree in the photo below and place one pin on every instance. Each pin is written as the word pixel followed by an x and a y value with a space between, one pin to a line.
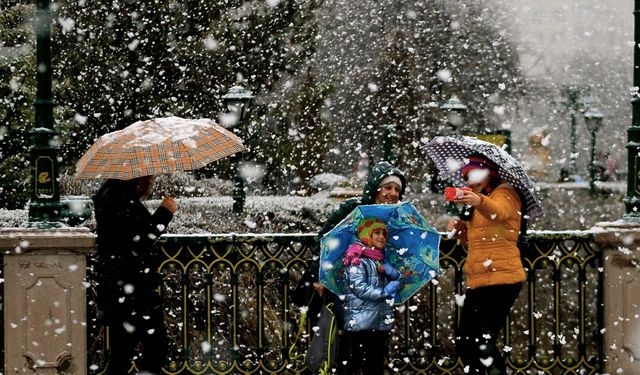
pixel 121 61
pixel 297 134
pixel 397 62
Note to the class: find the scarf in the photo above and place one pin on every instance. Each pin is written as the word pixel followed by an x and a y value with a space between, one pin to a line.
pixel 357 250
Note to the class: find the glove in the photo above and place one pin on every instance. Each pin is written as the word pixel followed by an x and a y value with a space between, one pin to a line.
pixel 388 270
pixel 391 288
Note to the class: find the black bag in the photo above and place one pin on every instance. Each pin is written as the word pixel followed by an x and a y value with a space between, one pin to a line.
pixel 321 355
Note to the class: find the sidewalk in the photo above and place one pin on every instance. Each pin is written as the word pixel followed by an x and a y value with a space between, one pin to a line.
pixel 615 186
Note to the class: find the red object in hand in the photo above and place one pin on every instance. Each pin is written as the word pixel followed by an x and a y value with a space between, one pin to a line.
pixel 453 193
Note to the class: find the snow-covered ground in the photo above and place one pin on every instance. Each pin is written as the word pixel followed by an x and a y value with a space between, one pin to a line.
pixel 567 207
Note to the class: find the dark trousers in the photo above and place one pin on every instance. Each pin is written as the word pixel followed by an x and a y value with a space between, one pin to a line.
pixel 127 330
pixel 363 352
pixel 483 315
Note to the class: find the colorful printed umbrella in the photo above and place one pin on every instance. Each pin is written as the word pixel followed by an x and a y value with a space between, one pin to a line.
pixel 412 247
pixel 157 146
pixel 451 153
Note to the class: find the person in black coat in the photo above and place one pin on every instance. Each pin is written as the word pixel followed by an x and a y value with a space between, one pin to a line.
pixel 128 298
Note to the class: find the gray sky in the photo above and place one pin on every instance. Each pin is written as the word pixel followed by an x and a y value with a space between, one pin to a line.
pixel 551 32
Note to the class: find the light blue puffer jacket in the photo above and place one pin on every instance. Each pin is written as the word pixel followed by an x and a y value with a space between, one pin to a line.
pixel 365 307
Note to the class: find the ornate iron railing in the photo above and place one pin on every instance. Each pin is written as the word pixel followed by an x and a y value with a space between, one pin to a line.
pixel 228 308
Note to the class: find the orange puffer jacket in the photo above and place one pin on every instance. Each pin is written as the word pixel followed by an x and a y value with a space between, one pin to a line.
pixel 491 237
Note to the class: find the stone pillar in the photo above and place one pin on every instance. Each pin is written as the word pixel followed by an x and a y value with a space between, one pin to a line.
pixel 45 322
pixel 620 243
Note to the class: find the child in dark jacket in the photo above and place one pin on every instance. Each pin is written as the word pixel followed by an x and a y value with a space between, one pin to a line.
pixel 368 313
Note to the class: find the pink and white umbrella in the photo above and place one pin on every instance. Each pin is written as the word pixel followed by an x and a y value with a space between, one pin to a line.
pixel 451 153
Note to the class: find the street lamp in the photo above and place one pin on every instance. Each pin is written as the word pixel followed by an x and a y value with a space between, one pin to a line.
pixel 45 207
pixel 237 101
pixel 456 113
pixel 593 120
pixel 575 99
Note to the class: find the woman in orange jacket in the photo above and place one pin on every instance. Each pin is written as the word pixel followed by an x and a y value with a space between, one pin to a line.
pixel 489 229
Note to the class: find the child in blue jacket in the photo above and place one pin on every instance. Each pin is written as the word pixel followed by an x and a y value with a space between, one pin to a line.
pixel 370 288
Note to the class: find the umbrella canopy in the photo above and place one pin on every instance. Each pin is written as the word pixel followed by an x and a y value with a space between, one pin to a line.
pixel 157 146
pixel 451 153
pixel 412 247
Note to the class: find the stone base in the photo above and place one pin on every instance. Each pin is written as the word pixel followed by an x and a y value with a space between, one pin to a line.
pixel 618 233
pixel 45 300
pixel 620 242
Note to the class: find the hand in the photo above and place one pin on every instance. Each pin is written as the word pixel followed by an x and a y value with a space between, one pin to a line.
pixel 169 204
pixel 470 198
pixel 391 288
pixel 319 288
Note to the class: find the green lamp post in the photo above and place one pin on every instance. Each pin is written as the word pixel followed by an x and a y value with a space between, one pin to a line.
pixel 456 113
pixel 574 99
pixel 237 101
pixel 632 200
pixel 45 207
pixel 593 120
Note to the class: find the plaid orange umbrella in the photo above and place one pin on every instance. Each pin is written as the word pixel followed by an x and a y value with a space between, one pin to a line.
pixel 157 146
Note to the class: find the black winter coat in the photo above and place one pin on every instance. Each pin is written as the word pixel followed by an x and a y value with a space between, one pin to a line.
pixel 126 265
